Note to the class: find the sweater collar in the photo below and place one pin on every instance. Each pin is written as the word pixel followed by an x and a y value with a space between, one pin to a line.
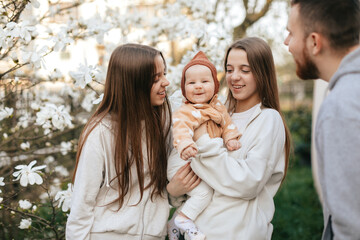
pixel 257 111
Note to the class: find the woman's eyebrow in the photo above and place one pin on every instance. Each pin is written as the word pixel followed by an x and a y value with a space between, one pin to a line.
pixel 242 65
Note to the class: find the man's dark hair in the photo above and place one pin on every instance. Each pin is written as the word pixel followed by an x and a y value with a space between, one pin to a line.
pixel 337 20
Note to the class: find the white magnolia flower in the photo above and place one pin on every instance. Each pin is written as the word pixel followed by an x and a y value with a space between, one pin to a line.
pixel 1 199
pixel 21 30
pixel 97 101
pixel 34 57
pixel 25 204
pixel 83 75
pixel 3 38
pixel 2 181
pixel 49 159
pixel 61 118
pixel 25 223
pixel 25 146
pixel 97 27
pixel 24 120
pixel 56 74
pixel 5 135
pixel 51 116
pixel 176 100
pixel 28 175
pixel 64 198
pixel 61 40
pixel 35 106
pixel 88 100
pixel 35 3
pixel 13 30
pixel 65 147
pixel 62 171
pixel 5 160
pixel 6 112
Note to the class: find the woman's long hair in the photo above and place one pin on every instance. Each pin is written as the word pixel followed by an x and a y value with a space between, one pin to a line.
pixel 130 76
pixel 262 66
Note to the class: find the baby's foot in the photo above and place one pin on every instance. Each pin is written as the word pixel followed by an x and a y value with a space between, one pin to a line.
pixel 172 230
pixel 188 227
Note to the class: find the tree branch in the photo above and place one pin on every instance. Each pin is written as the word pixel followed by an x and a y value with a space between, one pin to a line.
pixel 250 19
pixel 43 221
pixel 17 66
pixel 16 17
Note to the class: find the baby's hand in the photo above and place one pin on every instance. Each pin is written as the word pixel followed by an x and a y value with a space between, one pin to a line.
pixel 188 153
pixel 233 145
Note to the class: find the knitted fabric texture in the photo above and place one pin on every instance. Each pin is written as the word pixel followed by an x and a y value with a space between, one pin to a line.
pixel 200 59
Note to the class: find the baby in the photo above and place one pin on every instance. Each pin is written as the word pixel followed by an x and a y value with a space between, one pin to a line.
pixel 199 85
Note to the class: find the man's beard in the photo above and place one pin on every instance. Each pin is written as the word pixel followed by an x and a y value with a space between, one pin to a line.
pixel 306 70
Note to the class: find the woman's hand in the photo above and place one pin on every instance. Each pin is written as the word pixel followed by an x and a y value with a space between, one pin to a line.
pixel 183 181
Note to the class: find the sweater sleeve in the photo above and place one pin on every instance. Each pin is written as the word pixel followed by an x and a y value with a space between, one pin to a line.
pixel 185 121
pixel 230 131
pixel 242 178
pixel 88 180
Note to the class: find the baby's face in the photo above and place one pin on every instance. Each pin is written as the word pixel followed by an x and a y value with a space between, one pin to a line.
pixel 199 84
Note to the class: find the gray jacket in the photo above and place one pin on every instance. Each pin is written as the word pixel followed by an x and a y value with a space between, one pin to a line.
pixel 338 146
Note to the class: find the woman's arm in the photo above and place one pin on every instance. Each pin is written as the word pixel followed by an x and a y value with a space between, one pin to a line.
pixel 89 177
pixel 243 178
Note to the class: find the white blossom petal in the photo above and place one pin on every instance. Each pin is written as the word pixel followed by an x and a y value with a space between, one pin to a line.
pixel 25 223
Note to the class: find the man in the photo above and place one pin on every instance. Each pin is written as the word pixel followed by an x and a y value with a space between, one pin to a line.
pixel 324 41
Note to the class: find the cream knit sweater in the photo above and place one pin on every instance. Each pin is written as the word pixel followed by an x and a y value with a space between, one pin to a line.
pixel 91 217
pixel 244 185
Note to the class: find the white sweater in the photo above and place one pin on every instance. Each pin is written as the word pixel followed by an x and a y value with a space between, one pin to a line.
pixel 242 206
pixel 91 217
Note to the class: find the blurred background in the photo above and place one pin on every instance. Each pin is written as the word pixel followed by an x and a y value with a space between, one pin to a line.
pixel 53 60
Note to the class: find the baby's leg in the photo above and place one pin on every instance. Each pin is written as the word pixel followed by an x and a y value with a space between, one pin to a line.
pixel 200 198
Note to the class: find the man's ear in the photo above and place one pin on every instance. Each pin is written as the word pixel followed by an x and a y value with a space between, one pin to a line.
pixel 315 43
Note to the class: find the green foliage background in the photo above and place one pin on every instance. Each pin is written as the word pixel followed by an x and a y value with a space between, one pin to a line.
pixel 298 213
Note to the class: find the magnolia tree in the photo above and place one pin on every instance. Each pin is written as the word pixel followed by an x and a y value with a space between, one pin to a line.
pixel 47 95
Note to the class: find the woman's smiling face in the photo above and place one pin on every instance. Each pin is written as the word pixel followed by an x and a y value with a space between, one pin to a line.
pixel 240 79
pixel 158 90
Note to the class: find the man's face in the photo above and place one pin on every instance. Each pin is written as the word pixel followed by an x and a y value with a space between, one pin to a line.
pixel 296 41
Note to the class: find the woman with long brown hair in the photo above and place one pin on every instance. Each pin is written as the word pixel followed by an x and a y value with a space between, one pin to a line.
pixel 120 175
pixel 244 181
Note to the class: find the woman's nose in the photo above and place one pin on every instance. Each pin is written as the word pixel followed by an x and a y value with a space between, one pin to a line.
pixel 236 76
pixel 165 82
